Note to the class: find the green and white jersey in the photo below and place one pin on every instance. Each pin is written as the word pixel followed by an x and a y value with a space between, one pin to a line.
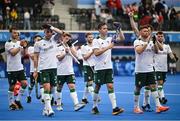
pixel 161 59
pixel 13 62
pixel 102 61
pixel 144 61
pixel 47 53
pixel 31 51
pixel 65 66
pixel 91 60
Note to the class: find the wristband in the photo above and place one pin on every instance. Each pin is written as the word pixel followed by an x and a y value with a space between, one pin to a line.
pixel 35 69
pixel 52 27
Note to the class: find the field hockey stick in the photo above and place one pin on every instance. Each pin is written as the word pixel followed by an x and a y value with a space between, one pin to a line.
pixel 70 53
pixel 37 90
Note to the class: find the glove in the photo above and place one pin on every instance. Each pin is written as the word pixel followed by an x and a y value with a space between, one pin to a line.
pixel 117 26
pixel 114 38
pixel 154 39
pixel 69 43
pixel 47 26
pixel 24 43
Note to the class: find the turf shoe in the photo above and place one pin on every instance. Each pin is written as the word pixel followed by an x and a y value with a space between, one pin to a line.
pixel 28 99
pixel 13 106
pixel 117 111
pixel 59 108
pixel 137 110
pixel 85 101
pixel 95 111
pixel 163 100
pixel 147 108
pixel 79 106
pixel 160 109
pixel 18 103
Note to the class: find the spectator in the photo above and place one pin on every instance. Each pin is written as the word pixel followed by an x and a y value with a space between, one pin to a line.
pixel 48 8
pixel 98 6
pixel 27 24
pixel 1 20
pixel 103 16
pixel 172 18
pixel 7 18
pixel 93 20
pixel 159 6
pixel 13 16
pixel 112 5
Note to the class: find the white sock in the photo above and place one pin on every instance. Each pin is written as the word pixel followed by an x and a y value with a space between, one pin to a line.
pixel 59 97
pixel 147 94
pixel 95 100
pixel 112 98
pixel 47 101
pixel 161 91
pixel 21 92
pixel 29 90
pixel 156 98
pixel 91 90
pixel 42 93
pixel 136 101
pixel 10 97
pixel 74 97
pixel 85 94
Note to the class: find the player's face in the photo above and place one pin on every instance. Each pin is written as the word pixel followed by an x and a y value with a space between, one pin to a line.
pixel 48 33
pixel 160 37
pixel 90 38
pixel 144 33
pixel 66 39
pixel 103 30
pixel 15 34
pixel 37 39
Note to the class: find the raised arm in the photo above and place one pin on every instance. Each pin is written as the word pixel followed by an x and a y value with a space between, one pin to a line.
pixel 133 25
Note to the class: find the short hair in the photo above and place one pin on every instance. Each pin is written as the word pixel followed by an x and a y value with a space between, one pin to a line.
pixel 12 28
pixel 151 27
pixel 101 24
pixel 143 26
pixel 37 36
pixel 160 32
pixel 66 34
pixel 87 34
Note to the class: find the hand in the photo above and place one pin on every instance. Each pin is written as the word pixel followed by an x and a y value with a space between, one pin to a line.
pixel 35 75
pixel 175 56
pixel 69 43
pixel 111 45
pixel 24 43
pixel 114 38
pixel 130 14
pixel 46 26
pixel 154 39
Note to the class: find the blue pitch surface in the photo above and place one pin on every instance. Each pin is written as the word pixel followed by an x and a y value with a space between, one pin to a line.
pixel 124 87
